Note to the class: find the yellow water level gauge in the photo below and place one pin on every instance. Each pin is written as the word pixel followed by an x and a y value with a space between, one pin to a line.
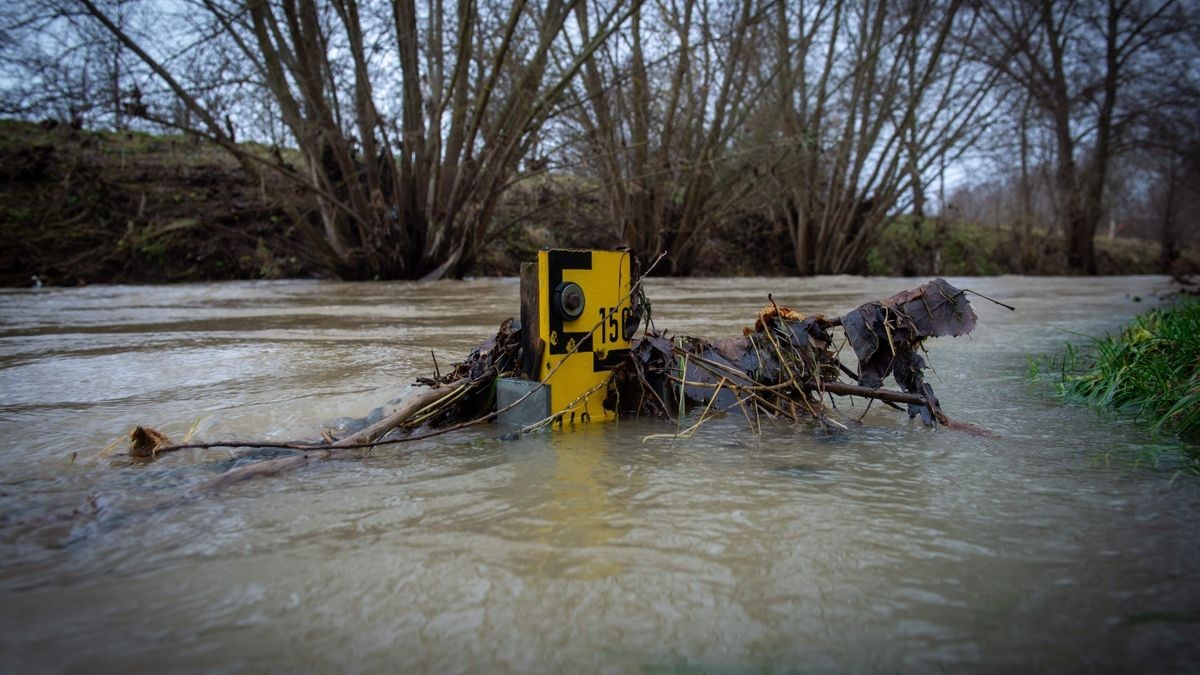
pixel 584 322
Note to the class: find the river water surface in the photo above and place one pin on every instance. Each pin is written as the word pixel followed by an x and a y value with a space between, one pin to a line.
pixel 890 547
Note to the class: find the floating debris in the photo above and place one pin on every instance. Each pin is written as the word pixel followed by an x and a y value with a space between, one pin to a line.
pixel 784 368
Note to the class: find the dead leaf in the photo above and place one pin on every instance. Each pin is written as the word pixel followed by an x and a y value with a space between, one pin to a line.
pixel 146 442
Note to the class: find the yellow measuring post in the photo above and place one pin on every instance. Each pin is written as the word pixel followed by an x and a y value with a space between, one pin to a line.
pixel 585 313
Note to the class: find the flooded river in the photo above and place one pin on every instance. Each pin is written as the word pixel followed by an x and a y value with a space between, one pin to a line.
pixel 890 548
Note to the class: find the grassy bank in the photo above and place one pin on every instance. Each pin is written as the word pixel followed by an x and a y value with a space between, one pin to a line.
pixel 1149 371
pixel 910 247
pixel 79 206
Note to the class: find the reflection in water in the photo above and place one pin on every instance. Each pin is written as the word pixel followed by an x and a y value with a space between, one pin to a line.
pixel 889 547
pixel 577 508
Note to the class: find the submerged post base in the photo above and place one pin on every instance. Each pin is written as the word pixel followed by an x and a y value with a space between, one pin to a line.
pixel 533 409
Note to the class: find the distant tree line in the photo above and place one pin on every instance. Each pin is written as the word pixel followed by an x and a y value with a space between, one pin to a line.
pixel 826 119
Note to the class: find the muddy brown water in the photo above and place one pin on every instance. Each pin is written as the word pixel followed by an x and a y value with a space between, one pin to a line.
pixel 887 548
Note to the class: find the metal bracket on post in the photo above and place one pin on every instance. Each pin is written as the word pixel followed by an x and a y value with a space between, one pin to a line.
pixel 535 406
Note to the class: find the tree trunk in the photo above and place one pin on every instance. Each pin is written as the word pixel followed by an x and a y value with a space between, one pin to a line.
pixel 1167 239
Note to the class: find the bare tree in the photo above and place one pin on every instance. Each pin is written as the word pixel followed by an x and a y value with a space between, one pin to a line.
pixel 405 192
pixel 872 98
pixel 1165 171
pixel 405 122
pixel 658 112
pixel 62 67
pixel 1080 62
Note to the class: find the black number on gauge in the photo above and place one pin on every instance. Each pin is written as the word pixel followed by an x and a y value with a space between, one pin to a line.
pixel 612 323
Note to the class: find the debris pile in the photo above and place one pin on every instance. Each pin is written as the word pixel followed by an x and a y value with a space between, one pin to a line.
pixel 784 367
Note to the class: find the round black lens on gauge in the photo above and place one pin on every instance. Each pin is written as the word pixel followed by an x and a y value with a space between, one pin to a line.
pixel 568 300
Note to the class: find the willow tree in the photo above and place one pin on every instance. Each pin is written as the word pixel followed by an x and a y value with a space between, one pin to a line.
pixel 869 99
pixel 410 120
pixel 657 113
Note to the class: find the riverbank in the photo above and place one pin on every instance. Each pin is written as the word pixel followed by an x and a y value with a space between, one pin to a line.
pixel 1150 371
pixel 79 207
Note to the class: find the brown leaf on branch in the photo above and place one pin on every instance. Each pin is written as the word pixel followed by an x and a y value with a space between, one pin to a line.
pixel 146 442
